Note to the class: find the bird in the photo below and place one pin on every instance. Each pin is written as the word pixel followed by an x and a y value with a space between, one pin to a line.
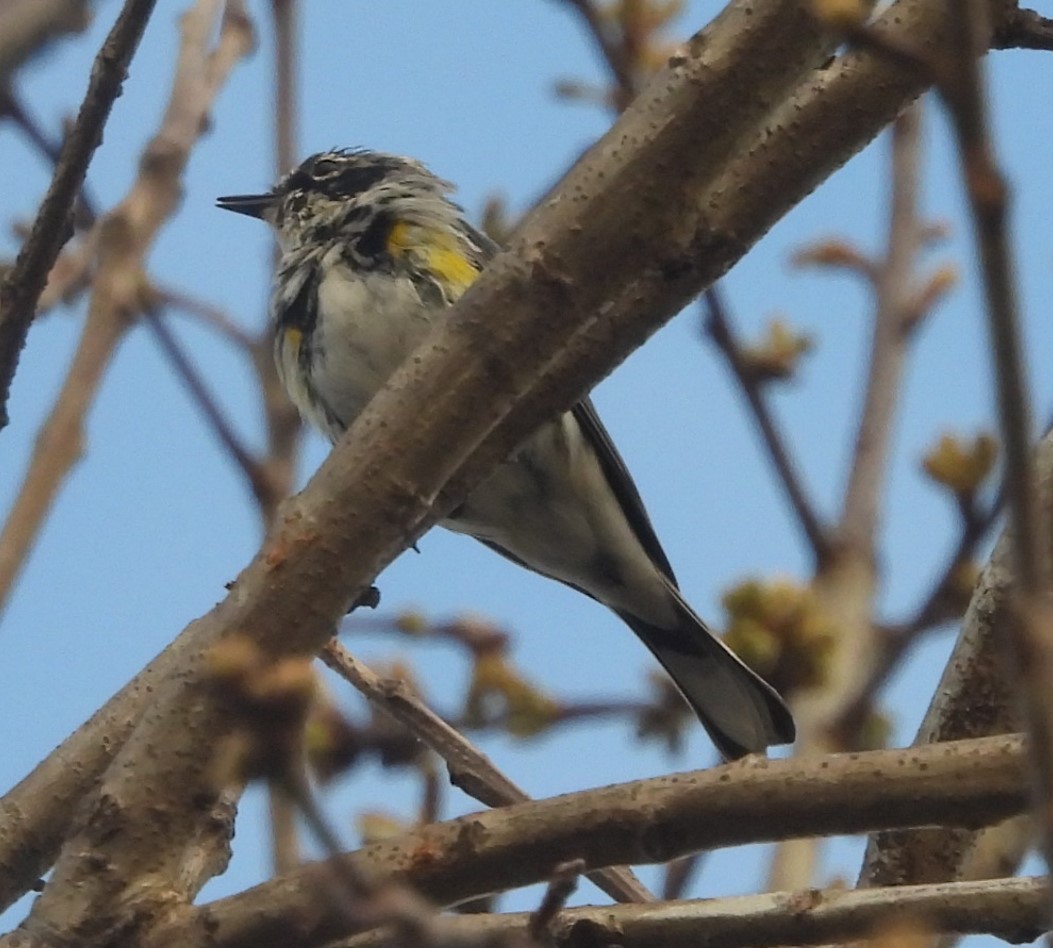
pixel 373 252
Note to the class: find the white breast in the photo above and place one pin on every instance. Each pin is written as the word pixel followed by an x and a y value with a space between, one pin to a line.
pixel 367 325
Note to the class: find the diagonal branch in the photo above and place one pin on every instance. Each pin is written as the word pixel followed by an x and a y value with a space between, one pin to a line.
pixel 199 391
pixel 53 226
pixel 469 768
pixel 1031 629
pixel 128 229
pixel 718 326
pixel 119 290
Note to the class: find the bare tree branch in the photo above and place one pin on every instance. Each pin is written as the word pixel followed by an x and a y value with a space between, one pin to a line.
pixel 1010 909
pixel 613 54
pixel 1024 29
pixel 718 327
pixel 1031 632
pixel 805 137
pixel 199 391
pixel 27 26
pixel 22 287
pixel 975 696
pixel 120 289
pixel 469 768
pixel 205 313
pixel 11 107
pixel 285 846
pixel 129 230
pixel 319 579
pixel 644 821
pixel 846 579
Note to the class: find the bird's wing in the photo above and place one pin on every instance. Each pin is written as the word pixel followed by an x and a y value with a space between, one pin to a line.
pixel 621 484
pixel 618 477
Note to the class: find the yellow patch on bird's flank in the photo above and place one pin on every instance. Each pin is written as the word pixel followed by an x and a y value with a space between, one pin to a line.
pixel 440 251
pixel 295 379
pixel 293 338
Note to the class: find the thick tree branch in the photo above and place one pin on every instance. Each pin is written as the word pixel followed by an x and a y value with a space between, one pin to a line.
pixel 806 136
pixel 22 287
pixel 973 698
pixel 1010 909
pixel 645 821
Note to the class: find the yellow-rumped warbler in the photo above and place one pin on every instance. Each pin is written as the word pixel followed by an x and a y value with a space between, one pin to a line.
pixel 373 251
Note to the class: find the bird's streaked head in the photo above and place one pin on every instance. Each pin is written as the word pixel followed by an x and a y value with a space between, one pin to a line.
pixel 334 193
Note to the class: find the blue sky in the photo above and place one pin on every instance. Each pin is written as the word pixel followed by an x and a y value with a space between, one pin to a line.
pixel 155 519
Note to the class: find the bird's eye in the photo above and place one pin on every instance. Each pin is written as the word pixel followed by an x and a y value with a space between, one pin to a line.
pixel 325 167
pixel 299 180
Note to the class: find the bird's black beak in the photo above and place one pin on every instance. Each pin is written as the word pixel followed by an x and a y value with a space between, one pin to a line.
pixel 255 205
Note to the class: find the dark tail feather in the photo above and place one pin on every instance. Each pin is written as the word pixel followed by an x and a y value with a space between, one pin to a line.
pixel 742 713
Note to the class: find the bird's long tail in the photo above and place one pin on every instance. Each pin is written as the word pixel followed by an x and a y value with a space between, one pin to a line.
pixel 742 713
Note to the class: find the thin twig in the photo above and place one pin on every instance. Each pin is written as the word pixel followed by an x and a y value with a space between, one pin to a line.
pixel 119 288
pixel 22 287
pixel 199 392
pixel 286 73
pixel 470 769
pixel 718 327
pixel 613 55
pixel 12 107
pixel 561 886
pixel 987 193
pixel 205 313
pixel 975 526
pixel 284 842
